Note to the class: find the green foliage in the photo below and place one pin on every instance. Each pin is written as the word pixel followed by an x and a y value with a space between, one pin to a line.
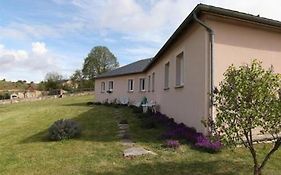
pixel 9 85
pixel 98 61
pixel 4 95
pixel 52 81
pixel 64 129
pixel 249 99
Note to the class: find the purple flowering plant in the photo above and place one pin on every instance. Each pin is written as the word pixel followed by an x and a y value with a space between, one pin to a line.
pixel 172 144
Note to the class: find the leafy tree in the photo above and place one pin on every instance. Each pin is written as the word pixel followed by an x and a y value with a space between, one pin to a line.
pixel 248 101
pixel 52 80
pixel 77 78
pixel 41 86
pixel 98 61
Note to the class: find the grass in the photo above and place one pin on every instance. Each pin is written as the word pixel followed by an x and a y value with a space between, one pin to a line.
pixel 24 149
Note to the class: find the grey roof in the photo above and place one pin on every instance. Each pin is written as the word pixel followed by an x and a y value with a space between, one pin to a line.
pixel 133 68
pixel 144 65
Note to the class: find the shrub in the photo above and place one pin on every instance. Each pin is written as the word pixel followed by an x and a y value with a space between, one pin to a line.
pixel 90 103
pixel 115 105
pixel 148 123
pixel 208 145
pixel 137 109
pixel 189 134
pixel 172 144
pixel 64 129
pixel 97 103
pixel 124 121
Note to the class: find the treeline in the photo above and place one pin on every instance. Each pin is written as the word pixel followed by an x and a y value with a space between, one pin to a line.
pixel 98 61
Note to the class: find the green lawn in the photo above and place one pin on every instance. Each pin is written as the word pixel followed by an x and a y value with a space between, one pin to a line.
pixel 25 151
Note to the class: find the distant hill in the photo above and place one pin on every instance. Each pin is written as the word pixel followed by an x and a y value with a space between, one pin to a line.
pixel 13 86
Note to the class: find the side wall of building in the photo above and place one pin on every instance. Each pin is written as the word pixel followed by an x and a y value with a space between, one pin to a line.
pixel 188 103
pixel 120 88
pixel 237 43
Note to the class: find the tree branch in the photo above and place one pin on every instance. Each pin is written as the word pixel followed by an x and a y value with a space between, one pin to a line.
pixel 275 148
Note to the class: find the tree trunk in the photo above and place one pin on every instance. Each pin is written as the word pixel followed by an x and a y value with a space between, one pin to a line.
pixel 257 170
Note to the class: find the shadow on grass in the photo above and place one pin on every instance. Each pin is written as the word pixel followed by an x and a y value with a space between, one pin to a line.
pixel 217 167
pixel 97 125
pixel 77 104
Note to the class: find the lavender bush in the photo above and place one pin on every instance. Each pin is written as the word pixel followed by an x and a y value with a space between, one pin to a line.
pixel 181 131
pixel 208 145
pixel 172 144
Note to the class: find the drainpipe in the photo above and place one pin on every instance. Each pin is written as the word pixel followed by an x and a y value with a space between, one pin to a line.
pixel 211 41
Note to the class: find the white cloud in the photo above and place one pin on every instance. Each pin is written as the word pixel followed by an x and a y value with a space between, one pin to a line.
pixel 39 48
pixel 7 55
pixel 35 63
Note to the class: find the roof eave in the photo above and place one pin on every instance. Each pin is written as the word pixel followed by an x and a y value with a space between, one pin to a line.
pixel 111 76
pixel 202 8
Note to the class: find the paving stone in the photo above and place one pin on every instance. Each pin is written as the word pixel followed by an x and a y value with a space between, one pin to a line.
pixel 127 142
pixel 136 151
pixel 122 131
pixel 123 126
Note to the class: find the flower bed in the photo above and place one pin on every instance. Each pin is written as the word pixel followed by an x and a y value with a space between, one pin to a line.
pixel 181 131
pixel 175 131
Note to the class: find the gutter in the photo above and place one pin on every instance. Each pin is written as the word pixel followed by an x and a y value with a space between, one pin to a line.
pixel 211 50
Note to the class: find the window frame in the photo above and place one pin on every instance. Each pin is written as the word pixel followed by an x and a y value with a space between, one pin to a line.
pixel 153 82
pixel 103 87
pixel 112 85
pixel 131 85
pixel 180 70
pixel 167 76
pixel 149 83
pixel 142 85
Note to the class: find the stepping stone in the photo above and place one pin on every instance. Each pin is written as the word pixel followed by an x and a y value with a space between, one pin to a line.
pixel 127 142
pixel 136 151
pixel 122 131
pixel 123 126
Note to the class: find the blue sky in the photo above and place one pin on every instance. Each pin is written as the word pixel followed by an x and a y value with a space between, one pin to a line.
pixel 40 36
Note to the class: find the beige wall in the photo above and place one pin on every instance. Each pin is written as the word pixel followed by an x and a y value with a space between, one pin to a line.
pixel 188 104
pixel 120 88
pixel 235 43
pixel 238 43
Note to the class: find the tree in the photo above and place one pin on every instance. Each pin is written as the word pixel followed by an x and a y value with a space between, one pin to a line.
pixel 41 86
pixel 77 78
pixel 249 99
pixel 98 61
pixel 52 80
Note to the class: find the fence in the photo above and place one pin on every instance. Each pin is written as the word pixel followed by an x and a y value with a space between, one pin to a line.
pixel 10 101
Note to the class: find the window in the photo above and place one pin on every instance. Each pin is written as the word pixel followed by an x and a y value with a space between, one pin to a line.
pixel 153 81
pixel 166 83
pixel 179 69
pixel 149 79
pixel 142 84
pixel 110 85
pixel 102 86
pixel 130 85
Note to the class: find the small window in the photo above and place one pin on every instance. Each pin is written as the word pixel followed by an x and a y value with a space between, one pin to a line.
pixel 166 83
pixel 110 85
pixel 180 70
pixel 142 84
pixel 149 79
pixel 153 81
pixel 102 86
pixel 130 85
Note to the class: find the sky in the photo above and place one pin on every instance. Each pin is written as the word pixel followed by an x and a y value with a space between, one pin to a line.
pixel 41 36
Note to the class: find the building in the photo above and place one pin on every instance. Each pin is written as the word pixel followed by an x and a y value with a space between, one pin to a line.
pixel 181 76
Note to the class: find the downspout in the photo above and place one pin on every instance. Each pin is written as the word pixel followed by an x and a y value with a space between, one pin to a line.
pixel 211 41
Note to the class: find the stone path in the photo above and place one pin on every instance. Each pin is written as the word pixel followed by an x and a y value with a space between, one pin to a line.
pixel 130 148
